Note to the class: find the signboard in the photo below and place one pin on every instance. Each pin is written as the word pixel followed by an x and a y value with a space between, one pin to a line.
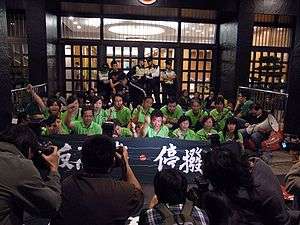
pixel 146 155
pixel 147 2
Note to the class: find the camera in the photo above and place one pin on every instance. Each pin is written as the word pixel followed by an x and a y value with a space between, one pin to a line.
pixel 45 148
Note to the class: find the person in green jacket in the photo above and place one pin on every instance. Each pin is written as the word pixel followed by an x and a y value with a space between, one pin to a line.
pixel 220 114
pixel 85 126
pixel 172 112
pixel 139 113
pixel 231 132
pixel 53 126
pixel 207 130
pixel 119 111
pixel 72 102
pixel 196 114
pixel 184 132
pixel 154 127
pixel 100 114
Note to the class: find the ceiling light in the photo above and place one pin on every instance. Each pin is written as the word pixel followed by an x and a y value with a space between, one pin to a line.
pixel 198 31
pixel 75 22
pixel 187 31
pixel 193 28
pixel 94 22
pixel 136 29
pixel 78 27
pixel 71 18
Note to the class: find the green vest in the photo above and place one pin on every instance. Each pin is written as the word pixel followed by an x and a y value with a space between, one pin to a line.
pixel 140 114
pixel 100 117
pixel 220 118
pixel 122 116
pixel 189 135
pixel 203 135
pixel 80 128
pixel 163 132
pixel 196 117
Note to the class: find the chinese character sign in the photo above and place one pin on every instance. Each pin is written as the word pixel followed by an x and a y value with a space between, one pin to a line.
pixel 189 162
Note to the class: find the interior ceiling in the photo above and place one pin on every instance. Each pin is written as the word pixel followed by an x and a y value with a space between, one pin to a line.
pixel 162 12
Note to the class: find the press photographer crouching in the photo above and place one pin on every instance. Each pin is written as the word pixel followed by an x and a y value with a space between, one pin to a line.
pixel 243 191
pixel 92 196
pixel 170 204
pixel 21 186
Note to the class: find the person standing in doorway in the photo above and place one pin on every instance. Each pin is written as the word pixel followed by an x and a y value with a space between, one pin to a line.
pixel 168 82
pixel 152 80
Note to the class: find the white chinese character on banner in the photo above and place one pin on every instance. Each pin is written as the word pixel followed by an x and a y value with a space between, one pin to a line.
pixel 192 161
pixel 78 164
pixel 170 159
pixel 65 158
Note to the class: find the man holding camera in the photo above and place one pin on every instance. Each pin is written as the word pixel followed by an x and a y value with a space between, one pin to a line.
pixel 92 196
pixel 21 186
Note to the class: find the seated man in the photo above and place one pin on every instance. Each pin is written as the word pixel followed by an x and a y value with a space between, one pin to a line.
pixel 196 114
pixel 172 112
pixel 119 111
pixel 220 114
pixel 155 127
pixel 256 115
pixel 85 126
pixel 243 104
pixel 170 188
pixel 92 196
pixel 139 113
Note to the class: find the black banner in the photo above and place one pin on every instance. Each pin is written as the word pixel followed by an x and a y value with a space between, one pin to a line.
pixel 146 155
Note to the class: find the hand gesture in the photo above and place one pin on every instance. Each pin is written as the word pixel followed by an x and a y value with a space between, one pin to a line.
pixel 29 89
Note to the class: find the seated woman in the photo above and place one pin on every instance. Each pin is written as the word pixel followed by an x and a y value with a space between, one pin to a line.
pixel 207 130
pixel 100 114
pixel 120 131
pixel 184 132
pixel 53 126
pixel 154 127
pixel 52 106
pixel 231 132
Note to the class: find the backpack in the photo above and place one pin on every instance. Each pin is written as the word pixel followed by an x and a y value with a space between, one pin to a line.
pixel 184 218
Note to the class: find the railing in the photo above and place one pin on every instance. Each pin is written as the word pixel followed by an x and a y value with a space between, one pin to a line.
pixel 271 101
pixel 21 98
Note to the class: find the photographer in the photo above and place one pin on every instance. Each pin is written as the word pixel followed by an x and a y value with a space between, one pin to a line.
pixel 21 186
pixel 92 196
pixel 170 204
pixel 247 190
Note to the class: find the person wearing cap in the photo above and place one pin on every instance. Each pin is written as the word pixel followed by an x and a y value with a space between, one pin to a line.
pixel 168 82
pixel 152 80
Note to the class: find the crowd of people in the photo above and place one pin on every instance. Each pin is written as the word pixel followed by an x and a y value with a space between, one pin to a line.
pixel 129 114
pixel 233 190
pixel 236 189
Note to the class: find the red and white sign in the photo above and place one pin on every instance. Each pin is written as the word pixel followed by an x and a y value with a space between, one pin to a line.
pixel 147 2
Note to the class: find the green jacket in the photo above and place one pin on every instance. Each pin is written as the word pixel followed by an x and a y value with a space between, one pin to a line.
pixel 23 188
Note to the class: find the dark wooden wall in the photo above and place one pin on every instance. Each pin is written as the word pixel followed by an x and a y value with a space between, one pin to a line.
pixel 5 86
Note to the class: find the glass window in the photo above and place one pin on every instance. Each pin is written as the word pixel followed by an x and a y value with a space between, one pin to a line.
pixel 67 49
pixel 203 33
pixel 140 30
pixel 80 28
